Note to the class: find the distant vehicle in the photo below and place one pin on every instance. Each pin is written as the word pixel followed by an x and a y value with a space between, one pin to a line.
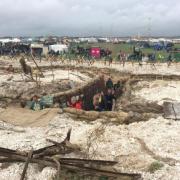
pixel 144 45
pixel 163 46
pixel 158 46
pixel 95 52
pixel 136 55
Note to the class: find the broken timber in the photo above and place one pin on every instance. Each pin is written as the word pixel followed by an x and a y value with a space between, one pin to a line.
pixel 53 156
pixel 172 110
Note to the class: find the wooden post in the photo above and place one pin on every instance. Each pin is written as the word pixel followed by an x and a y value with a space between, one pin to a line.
pixel 37 65
pixel 26 164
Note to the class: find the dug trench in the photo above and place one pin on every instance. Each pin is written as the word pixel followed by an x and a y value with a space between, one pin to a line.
pixel 128 108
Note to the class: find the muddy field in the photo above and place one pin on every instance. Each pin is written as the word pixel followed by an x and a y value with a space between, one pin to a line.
pixel 150 146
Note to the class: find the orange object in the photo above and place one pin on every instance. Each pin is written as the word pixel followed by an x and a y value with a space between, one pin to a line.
pixel 78 105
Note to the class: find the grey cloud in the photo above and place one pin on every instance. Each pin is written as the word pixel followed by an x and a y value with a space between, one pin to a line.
pixel 89 17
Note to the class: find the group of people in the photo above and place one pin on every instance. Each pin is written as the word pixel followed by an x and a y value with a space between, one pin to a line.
pixel 106 101
pixel 122 57
pixel 38 103
pixel 101 101
pixel 76 102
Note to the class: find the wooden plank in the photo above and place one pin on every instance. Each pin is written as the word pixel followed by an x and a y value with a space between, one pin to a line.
pixel 48 161
pixel 169 112
pixel 176 107
pixel 26 165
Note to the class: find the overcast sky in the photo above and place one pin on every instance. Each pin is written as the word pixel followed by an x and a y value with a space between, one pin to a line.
pixel 89 17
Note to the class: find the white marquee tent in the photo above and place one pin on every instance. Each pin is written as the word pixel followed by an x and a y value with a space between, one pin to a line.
pixel 58 47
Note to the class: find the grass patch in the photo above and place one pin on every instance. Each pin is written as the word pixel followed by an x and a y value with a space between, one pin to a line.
pixel 155 166
pixel 127 48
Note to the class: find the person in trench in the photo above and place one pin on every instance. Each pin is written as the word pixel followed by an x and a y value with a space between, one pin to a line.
pixel 110 100
pixel 109 83
pixel 99 101
pixel 36 104
pixel 10 69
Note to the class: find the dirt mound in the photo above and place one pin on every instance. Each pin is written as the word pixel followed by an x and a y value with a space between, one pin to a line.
pixel 26 117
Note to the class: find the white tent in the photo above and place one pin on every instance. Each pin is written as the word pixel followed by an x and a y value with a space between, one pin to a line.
pixel 5 40
pixel 58 47
pixel 15 40
pixel 37 45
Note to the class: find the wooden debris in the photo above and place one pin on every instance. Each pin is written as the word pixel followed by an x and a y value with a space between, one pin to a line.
pixel 52 156
pixel 42 75
pixel 171 110
pixel 26 165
